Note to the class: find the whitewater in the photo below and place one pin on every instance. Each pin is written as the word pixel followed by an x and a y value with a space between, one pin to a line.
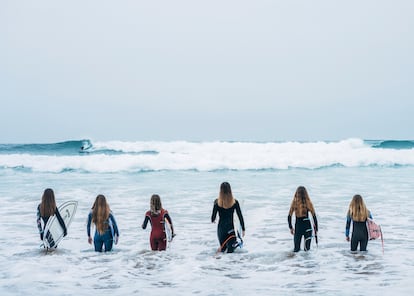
pixel 187 176
pixel 115 156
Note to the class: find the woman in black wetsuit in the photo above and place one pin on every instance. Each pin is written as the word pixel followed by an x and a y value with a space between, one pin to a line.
pixel 301 205
pixel 225 205
pixel 358 214
pixel 46 209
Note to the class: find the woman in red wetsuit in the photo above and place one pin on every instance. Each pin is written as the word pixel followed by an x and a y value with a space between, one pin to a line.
pixel 156 216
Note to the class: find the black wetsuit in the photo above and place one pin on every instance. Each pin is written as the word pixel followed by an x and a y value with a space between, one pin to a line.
pixel 303 228
pixel 359 233
pixel 225 228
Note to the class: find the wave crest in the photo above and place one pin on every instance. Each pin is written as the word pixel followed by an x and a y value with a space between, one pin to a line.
pixel 392 144
pixel 206 156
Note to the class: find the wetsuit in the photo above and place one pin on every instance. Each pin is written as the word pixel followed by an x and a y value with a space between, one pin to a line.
pixel 225 228
pixel 158 239
pixel 303 228
pixel 45 219
pixel 359 233
pixel 107 238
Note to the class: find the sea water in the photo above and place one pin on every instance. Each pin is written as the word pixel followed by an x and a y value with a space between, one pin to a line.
pixel 187 176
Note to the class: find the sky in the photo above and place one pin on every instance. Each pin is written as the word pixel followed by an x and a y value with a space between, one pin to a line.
pixel 206 70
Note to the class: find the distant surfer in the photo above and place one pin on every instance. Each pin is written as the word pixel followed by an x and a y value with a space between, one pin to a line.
pixel 301 206
pixel 86 146
pixel 225 205
pixel 83 149
pixel 358 214
pixel 46 209
pixel 156 216
pixel 106 232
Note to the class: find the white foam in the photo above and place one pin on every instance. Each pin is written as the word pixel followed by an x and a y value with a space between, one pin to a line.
pixel 264 266
pixel 208 156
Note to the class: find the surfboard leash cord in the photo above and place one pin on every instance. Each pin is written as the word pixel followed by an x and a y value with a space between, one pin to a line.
pixel 224 243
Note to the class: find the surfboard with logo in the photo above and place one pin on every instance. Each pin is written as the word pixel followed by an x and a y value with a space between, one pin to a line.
pixel 53 232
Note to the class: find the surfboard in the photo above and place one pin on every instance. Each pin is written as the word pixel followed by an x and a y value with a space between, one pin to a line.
pixel 312 230
pixel 168 231
pixel 53 232
pixel 238 229
pixel 86 147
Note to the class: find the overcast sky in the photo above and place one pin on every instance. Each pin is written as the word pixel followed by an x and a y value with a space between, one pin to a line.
pixel 206 70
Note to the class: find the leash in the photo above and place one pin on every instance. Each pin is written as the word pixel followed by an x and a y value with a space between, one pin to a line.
pixel 224 243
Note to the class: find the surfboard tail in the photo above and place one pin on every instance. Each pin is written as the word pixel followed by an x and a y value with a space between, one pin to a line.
pixel 239 239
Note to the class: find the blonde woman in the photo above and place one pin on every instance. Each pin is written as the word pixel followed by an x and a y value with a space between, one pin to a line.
pixel 156 216
pixel 46 209
pixel 106 229
pixel 358 214
pixel 301 205
pixel 225 205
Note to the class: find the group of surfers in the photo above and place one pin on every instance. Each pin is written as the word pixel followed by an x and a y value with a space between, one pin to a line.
pixel 107 233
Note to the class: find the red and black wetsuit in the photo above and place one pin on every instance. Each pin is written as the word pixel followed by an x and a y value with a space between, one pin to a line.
pixel 158 239
pixel 225 228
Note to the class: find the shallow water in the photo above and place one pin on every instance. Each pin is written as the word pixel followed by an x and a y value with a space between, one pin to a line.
pixel 265 265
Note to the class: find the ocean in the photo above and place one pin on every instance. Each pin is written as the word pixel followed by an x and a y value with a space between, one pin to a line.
pixel 187 176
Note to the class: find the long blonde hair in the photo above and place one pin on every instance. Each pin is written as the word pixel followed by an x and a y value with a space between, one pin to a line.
pixel 155 204
pixel 301 203
pixel 100 213
pixel 357 209
pixel 48 205
pixel 225 198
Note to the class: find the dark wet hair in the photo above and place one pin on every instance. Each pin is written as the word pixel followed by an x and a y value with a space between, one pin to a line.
pixel 48 205
pixel 302 194
pixel 225 188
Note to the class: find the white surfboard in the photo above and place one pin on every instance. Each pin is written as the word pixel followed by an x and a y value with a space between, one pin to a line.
pixel 238 229
pixel 168 231
pixel 53 232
